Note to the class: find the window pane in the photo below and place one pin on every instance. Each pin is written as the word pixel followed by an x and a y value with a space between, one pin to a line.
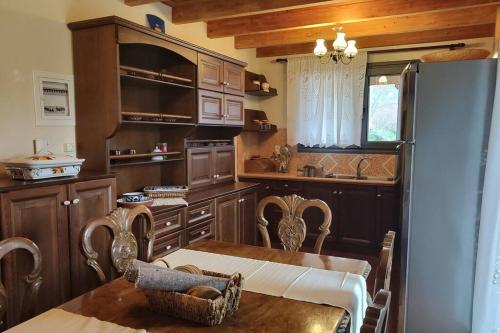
pixel 383 112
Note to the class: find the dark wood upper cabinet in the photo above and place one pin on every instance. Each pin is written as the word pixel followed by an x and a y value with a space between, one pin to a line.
pixel 223 164
pixel 210 107
pixel 234 79
pixel 200 167
pixel 40 215
pixel 248 221
pixel 210 73
pixel 227 219
pixel 234 110
pixel 89 199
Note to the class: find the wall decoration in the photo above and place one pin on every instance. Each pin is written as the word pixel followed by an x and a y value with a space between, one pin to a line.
pixel 54 99
pixel 156 23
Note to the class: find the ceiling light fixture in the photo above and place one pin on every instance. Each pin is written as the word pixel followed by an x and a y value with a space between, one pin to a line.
pixel 343 50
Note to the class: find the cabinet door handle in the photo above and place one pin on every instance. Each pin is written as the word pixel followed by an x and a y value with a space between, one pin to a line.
pixel 203 232
pixel 66 203
pixel 285 185
pixel 75 201
pixel 168 247
pixel 340 192
pixel 267 187
pixel 241 200
pixel 335 192
pixel 168 224
pixel 203 212
pixel 379 195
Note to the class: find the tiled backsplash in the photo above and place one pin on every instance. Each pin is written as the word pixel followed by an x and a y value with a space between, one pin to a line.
pixel 380 165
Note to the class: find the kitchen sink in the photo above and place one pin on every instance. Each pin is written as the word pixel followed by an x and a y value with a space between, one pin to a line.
pixel 330 175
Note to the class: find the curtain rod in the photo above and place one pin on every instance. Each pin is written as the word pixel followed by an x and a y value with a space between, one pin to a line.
pixel 420 48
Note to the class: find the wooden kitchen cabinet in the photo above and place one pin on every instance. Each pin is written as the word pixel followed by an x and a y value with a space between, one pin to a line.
pixel 210 73
pixel 211 107
pixel 89 199
pixel 208 166
pixel 37 214
pixel 234 79
pixel 227 219
pixel 52 217
pixel 361 214
pixel 247 218
pixel 355 213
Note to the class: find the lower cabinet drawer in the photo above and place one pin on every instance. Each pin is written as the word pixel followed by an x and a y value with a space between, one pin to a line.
pixel 205 230
pixel 169 222
pixel 167 244
pixel 200 212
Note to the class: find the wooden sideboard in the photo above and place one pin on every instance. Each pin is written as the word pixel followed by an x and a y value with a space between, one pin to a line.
pixel 361 213
pixel 51 213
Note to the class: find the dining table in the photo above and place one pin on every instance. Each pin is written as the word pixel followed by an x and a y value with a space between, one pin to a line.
pixel 119 302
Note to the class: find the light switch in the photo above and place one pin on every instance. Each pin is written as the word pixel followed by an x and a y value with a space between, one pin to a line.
pixel 69 148
pixel 41 146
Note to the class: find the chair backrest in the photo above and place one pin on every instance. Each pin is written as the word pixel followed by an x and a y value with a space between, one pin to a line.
pixel 291 227
pixel 33 280
pixel 383 274
pixel 377 313
pixel 124 245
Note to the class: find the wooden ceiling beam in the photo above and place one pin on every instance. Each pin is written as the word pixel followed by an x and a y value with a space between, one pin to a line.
pixel 331 13
pixel 384 26
pixel 205 10
pixel 139 2
pixel 419 37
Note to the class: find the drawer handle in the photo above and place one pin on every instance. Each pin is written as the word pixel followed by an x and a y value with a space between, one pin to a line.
pixel 203 232
pixel 75 201
pixel 335 192
pixel 379 195
pixel 285 185
pixel 340 192
pixel 241 200
pixel 268 187
pixel 66 203
pixel 168 224
pixel 168 247
pixel 203 212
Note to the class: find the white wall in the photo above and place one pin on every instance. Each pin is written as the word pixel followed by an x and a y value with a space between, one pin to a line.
pixel 34 36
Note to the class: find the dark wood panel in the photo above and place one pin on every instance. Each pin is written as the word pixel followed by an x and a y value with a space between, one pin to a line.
pixel 95 199
pixel 356 216
pixel 201 231
pixel 234 110
pixel 201 212
pixel 210 73
pixel 39 215
pixel 234 77
pixel 248 221
pixel 227 219
pixel 199 166
pixel 223 159
pixel 210 107
pixel 168 244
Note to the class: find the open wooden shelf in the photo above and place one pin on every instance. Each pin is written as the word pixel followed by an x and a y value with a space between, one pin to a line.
pixel 132 163
pixel 135 156
pixel 145 80
pixel 271 93
pixel 160 123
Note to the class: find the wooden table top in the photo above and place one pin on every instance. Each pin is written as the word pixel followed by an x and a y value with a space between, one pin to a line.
pixel 120 302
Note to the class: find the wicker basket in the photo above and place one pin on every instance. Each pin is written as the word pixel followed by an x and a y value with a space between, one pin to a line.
pixel 157 193
pixel 204 311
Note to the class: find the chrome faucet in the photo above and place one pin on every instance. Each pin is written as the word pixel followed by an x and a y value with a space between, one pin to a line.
pixel 358 168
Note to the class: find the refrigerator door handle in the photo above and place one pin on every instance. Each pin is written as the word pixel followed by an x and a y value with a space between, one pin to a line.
pixel 405 142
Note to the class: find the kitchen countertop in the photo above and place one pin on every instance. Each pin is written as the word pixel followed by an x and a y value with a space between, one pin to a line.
pixel 290 176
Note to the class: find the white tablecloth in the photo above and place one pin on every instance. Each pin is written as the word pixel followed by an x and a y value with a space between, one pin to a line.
pixel 340 289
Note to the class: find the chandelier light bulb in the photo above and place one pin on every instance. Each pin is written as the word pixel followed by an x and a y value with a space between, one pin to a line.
pixel 340 43
pixel 351 51
pixel 320 50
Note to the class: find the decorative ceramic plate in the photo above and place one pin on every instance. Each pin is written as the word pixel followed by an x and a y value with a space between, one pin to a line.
pixel 148 203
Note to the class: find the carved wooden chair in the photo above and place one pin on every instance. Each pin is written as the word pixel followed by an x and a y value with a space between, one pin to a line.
pixel 383 274
pixel 377 313
pixel 124 245
pixel 291 227
pixel 33 280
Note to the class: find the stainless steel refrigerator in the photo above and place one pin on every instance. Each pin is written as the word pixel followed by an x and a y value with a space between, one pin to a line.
pixel 446 110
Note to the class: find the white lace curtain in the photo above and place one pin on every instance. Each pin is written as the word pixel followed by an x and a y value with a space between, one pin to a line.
pixel 325 101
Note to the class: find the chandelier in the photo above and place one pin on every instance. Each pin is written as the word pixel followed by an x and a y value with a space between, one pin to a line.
pixel 343 50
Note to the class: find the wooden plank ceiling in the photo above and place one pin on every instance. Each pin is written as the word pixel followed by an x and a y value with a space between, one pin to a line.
pixel 281 27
